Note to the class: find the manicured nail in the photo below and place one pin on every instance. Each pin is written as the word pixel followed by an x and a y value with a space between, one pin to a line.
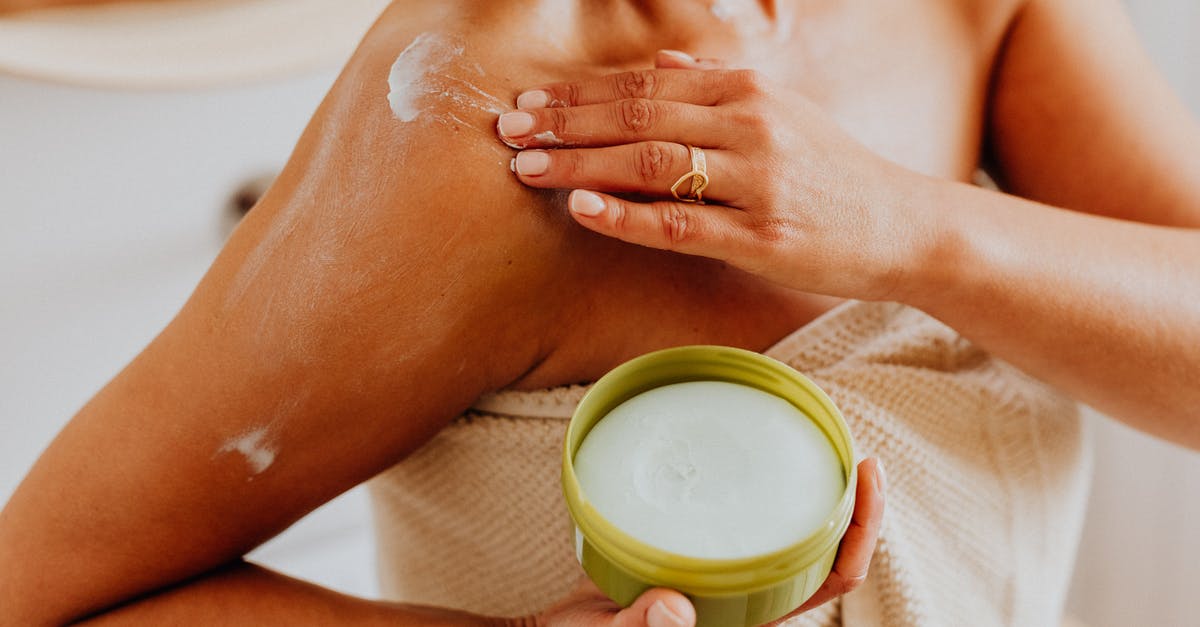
pixel 659 615
pixel 516 124
pixel 586 203
pixel 880 476
pixel 532 162
pixel 679 55
pixel 536 99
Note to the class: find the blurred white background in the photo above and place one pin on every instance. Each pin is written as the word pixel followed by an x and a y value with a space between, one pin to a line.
pixel 113 206
pixel 114 203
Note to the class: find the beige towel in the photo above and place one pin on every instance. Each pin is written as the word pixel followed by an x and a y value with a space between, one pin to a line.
pixel 987 474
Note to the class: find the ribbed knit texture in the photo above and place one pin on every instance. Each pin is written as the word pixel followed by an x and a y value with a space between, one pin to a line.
pixel 987 471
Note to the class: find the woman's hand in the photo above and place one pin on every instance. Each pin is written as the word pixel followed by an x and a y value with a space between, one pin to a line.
pixel 588 607
pixel 791 197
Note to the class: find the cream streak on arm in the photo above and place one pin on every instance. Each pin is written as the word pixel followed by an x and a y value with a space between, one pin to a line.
pixel 255 446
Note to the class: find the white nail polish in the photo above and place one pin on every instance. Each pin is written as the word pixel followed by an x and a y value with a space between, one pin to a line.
pixel 679 56
pixel 537 99
pixel 586 203
pixel 532 162
pixel 659 615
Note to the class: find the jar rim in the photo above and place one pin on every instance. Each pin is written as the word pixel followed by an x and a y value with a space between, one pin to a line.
pixel 707 363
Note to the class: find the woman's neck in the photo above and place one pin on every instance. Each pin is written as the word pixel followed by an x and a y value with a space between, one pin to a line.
pixel 620 33
pixel 703 27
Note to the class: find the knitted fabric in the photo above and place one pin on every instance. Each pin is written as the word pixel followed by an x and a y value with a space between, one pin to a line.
pixel 987 480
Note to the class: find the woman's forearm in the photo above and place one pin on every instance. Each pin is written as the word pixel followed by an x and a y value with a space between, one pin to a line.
pixel 1106 310
pixel 247 594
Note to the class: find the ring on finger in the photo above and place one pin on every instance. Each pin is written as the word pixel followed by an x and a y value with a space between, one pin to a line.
pixel 697 179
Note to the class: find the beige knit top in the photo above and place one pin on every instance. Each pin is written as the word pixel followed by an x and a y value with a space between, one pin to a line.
pixel 987 480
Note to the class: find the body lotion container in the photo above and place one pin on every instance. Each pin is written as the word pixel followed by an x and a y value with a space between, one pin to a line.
pixel 736 592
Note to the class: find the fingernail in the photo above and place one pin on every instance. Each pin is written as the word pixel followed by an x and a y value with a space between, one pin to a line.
pixel 880 476
pixel 586 204
pixel 516 124
pixel 536 99
pixel 659 615
pixel 679 55
pixel 532 162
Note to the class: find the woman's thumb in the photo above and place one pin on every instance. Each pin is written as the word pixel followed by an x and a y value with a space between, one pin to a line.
pixel 658 608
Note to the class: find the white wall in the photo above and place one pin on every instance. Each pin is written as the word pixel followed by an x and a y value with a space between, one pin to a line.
pixel 1168 29
pixel 99 248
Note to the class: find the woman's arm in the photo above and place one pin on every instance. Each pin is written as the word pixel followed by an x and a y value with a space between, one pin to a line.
pixel 1081 119
pixel 365 301
pixel 1107 309
pixel 244 594
pixel 13 6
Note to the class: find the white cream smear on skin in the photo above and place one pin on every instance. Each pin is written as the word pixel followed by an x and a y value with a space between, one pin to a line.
pixel 544 138
pixel 721 10
pixel 710 469
pixel 419 76
pixel 254 447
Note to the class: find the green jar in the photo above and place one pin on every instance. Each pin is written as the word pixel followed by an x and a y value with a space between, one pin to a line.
pixel 726 592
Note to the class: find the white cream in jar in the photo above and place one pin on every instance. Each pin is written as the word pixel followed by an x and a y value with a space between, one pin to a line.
pixel 710 469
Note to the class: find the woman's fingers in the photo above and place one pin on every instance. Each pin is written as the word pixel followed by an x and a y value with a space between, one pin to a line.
pixel 696 86
pixel 588 607
pixel 707 230
pixel 647 168
pixel 618 122
pixel 858 545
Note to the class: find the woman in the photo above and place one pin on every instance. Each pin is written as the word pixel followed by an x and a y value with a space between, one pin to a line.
pixel 397 272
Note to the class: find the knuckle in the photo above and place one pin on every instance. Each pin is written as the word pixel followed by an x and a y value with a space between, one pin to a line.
pixel 751 81
pixel 755 123
pixel 773 232
pixel 618 214
pixel 654 161
pixel 637 84
pixel 636 115
pixel 558 120
pixel 569 165
pixel 568 96
pixel 677 226
pixel 850 584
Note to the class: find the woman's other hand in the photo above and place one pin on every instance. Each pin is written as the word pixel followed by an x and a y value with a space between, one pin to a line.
pixel 858 544
pixel 588 607
pixel 791 197
pixel 658 607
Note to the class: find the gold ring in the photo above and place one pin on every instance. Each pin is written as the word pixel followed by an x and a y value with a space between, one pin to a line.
pixel 698 177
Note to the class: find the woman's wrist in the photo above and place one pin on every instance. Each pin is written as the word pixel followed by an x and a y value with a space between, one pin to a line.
pixel 970 251
pixel 934 241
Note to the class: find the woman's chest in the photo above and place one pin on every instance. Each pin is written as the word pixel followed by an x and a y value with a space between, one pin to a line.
pixel 907 78
pixel 626 301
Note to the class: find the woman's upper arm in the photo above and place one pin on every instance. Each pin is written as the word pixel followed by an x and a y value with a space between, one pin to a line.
pixel 1081 119
pixel 388 278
